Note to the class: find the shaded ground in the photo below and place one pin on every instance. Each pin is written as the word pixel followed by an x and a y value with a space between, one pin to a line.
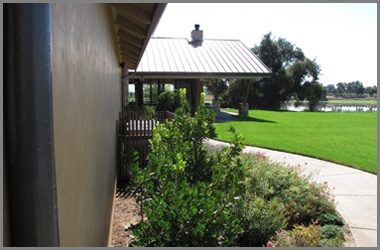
pixel 222 116
pixel 126 212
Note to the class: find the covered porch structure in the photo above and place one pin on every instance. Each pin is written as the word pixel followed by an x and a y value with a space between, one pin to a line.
pixel 187 64
pixel 175 63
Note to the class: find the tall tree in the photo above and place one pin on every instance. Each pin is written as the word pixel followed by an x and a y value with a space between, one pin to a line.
pixel 357 88
pixel 340 88
pixel 290 70
pixel 371 90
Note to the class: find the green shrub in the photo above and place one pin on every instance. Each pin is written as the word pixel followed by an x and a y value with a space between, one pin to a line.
pixel 331 231
pixel 260 220
pixel 305 236
pixel 332 236
pixel 168 101
pixel 311 236
pixel 188 195
pixel 299 236
pixel 331 218
pixel 304 201
pixel 266 179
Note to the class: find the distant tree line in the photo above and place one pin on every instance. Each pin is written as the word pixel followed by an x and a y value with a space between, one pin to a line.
pixel 351 89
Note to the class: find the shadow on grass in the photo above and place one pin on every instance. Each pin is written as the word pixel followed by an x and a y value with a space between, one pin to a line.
pixel 222 117
pixel 253 119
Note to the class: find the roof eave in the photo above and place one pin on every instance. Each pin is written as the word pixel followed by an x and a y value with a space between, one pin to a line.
pixel 156 16
pixel 191 75
pixel 132 37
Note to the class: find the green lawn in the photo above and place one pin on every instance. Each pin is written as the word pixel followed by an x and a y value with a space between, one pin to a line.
pixel 345 138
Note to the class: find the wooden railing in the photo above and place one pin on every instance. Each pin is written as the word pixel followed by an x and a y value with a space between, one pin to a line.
pixel 135 130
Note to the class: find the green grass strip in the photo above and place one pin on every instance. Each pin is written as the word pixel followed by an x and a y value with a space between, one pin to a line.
pixel 349 139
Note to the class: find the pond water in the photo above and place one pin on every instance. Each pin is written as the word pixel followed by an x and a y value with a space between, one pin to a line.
pixel 325 107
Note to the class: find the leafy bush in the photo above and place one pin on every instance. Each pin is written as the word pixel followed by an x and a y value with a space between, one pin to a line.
pixel 168 101
pixel 310 236
pixel 304 201
pixel 260 220
pixel 183 214
pixel 187 195
pixel 332 236
pixel 300 236
pixel 331 231
pixel 331 218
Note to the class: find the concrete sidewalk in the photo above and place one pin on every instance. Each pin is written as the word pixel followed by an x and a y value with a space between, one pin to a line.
pixel 355 191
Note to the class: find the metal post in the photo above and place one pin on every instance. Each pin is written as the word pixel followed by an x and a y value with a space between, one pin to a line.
pixel 29 137
pixel 124 89
pixel 159 87
pixel 216 90
pixel 150 91
pixel 140 94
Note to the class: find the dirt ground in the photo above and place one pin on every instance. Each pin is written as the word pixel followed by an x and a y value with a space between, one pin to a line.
pixel 127 212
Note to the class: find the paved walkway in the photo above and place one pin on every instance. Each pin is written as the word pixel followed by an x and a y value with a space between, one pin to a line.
pixel 355 191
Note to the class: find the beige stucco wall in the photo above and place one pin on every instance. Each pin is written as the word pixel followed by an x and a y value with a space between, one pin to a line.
pixel 86 103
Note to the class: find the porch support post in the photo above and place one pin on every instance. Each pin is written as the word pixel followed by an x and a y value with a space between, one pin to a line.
pixel 247 92
pixel 197 93
pixel 124 88
pixel 159 87
pixel 126 91
pixel 244 107
pixel 216 102
pixel 150 91
pixel 215 87
pixel 140 94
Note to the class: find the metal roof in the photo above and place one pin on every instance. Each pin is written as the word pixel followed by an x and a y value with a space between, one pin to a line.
pixel 215 58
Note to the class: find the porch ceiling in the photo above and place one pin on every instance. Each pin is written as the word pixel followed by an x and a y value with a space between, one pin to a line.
pixel 134 24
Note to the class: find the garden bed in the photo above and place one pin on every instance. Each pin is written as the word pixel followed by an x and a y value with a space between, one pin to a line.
pixel 127 212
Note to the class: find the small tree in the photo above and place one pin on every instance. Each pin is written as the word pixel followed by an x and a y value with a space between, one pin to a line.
pixel 187 194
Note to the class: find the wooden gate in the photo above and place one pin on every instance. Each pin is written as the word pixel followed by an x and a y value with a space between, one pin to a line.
pixel 134 134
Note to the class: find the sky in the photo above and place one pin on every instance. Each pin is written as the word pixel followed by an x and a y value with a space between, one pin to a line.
pixel 341 37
